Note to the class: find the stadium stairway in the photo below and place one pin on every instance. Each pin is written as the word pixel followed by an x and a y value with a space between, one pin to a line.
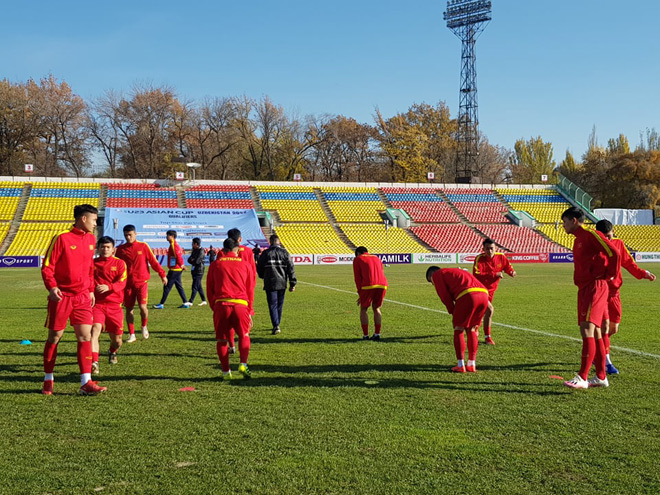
pixel 256 199
pixel 445 198
pixel 16 221
pixel 383 197
pixel 181 197
pixel 329 214
pixel 103 196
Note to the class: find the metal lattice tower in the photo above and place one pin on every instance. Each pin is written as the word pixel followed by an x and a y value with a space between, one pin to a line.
pixel 467 19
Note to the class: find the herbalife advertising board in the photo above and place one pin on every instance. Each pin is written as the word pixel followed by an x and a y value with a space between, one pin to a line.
pixel 434 258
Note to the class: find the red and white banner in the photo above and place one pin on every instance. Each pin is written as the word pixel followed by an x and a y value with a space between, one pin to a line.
pixel 467 257
pixel 528 257
pixel 333 259
pixel 302 259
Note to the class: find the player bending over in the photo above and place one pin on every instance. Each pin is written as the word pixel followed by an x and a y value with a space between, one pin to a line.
pixel 371 286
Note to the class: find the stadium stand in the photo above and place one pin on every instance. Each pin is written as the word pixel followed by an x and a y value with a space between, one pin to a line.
pixel 645 238
pixel 378 239
pixel 519 239
pixel 10 196
pixel 4 229
pixel 222 196
pixel 32 239
pixel 293 204
pixel 545 205
pixel 301 238
pixel 557 234
pixel 478 205
pixel 54 201
pixel 422 204
pixel 354 204
pixel 140 196
pixel 450 238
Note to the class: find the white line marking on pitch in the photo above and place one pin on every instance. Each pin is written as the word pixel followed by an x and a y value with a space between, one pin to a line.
pixel 530 330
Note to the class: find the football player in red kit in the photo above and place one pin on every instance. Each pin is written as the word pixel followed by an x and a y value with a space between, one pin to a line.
pixel 110 281
pixel 138 257
pixel 68 274
pixel 595 261
pixel 371 286
pixel 247 255
pixel 466 299
pixel 611 326
pixel 489 268
pixel 227 289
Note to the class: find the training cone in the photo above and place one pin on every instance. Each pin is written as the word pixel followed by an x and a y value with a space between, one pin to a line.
pixel 25 342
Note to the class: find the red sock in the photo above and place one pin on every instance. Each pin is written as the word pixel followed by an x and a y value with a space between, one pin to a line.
pixel 599 360
pixel 95 357
pixel 487 331
pixel 606 341
pixel 365 328
pixel 244 347
pixel 459 344
pixel 232 337
pixel 377 329
pixel 472 345
pixel 131 328
pixel 85 357
pixel 588 353
pixel 144 321
pixel 50 355
pixel 223 354
pixel 113 349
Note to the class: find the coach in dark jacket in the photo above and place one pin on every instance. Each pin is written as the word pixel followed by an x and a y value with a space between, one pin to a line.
pixel 196 260
pixel 276 268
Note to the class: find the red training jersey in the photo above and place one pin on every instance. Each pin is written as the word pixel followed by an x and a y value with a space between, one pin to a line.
pixel 68 263
pixel 594 257
pixel 626 261
pixel 485 269
pixel 368 272
pixel 175 256
pixel 228 280
pixel 246 254
pixel 453 283
pixel 111 272
pixel 138 257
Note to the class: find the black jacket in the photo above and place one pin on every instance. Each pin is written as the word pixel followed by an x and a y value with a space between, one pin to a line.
pixel 196 260
pixel 275 267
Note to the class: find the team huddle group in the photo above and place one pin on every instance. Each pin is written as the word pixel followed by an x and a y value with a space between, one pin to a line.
pixel 89 292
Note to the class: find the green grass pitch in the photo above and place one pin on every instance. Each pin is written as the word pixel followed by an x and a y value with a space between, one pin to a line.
pixel 327 413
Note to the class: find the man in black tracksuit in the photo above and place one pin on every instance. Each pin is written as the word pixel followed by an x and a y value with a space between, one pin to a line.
pixel 275 267
pixel 196 260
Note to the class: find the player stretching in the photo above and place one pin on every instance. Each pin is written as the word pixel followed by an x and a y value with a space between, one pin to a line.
pixel 138 257
pixel 595 261
pixel 68 273
pixel 611 326
pixel 466 299
pixel 227 288
pixel 371 287
pixel 489 268
pixel 110 282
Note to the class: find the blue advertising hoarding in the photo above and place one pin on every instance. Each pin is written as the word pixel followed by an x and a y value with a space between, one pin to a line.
pixel 19 261
pixel 561 258
pixel 210 226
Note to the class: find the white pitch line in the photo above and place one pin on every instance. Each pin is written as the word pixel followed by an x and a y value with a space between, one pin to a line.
pixel 530 330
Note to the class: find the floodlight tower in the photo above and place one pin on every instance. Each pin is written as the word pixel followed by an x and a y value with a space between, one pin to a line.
pixel 467 19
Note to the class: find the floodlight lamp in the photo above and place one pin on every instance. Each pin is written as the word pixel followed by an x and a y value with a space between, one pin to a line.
pixel 193 165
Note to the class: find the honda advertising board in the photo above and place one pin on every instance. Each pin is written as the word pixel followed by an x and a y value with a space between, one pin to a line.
pixel 395 258
pixel 302 259
pixel 647 257
pixel 333 259
pixel 467 257
pixel 433 258
pixel 528 257
pixel 561 258
pixel 19 261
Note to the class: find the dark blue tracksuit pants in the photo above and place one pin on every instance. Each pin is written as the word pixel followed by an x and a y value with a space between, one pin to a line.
pixel 173 278
pixel 275 300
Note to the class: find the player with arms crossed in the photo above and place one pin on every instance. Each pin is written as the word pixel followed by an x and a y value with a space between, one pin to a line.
pixel 489 268
pixel 595 262
pixel 68 274
pixel 466 299
pixel 611 326
pixel 138 257
pixel 371 286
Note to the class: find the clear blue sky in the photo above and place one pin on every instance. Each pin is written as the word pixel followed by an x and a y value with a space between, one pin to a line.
pixel 553 69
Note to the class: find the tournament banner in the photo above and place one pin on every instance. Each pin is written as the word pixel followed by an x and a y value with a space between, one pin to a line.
pixel 467 257
pixel 561 258
pixel 647 257
pixel 395 258
pixel 209 225
pixel 19 261
pixel 302 259
pixel 527 257
pixel 333 259
pixel 432 258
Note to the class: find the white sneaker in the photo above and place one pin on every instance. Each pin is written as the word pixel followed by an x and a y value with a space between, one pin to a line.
pixel 189 304
pixel 95 368
pixel 597 382
pixel 132 338
pixel 577 382
pixel 145 333
pixel 203 303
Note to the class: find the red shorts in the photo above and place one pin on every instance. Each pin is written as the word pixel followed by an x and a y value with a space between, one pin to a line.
pixel 592 303
pixel 469 310
pixel 74 308
pixel 491 294
pixel 110 316
pixel 133 293
pixel 227 316
pixel 372 297
pixel 614 307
